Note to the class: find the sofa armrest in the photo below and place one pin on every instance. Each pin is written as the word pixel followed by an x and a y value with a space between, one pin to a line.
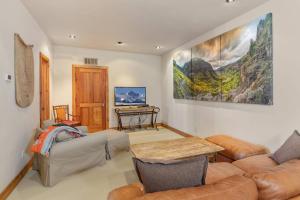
pixel 236 149
pixel 78 147
pixel 127 192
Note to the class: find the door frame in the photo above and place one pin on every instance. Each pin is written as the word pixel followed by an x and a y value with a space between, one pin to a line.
pixel 44 58
pixel 74 66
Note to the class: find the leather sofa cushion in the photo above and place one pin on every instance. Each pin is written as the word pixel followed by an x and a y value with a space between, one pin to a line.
pixel 233 188
pixel 127 192
pixel 279 183
pixel 222 158
pixel 295 198
pixel 221 170
pixel 236 149
pixel 255 164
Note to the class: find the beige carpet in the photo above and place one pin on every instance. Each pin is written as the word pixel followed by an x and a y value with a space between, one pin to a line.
pixel 93 184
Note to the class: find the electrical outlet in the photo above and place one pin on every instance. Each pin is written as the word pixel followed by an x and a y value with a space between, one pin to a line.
pixel 8 77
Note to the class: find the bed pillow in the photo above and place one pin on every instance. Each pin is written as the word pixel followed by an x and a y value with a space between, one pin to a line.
pixel 174 175
pixel 289 150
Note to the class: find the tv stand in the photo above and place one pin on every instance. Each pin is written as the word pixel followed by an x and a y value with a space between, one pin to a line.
pixel 137 111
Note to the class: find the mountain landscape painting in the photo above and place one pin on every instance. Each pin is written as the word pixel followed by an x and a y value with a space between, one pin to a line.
pixel 236 66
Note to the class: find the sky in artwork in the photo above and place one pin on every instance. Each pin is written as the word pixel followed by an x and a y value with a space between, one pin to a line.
pixel 209 51
pixel 230 47
pixel 182 57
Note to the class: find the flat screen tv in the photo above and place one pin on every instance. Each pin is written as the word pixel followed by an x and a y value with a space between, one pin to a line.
pixel 130 96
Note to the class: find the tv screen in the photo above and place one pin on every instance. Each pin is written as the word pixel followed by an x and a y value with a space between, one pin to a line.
pixel 130 96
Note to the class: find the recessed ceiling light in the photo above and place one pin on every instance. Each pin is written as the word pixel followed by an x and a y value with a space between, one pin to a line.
pixel 230 1
pixel 120 43
pixel 72 36
pixel 158 47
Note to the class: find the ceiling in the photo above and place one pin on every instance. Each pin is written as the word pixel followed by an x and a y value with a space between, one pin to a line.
pixel 140 24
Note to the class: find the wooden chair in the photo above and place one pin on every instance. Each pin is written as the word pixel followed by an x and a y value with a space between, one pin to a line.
pixel 62 115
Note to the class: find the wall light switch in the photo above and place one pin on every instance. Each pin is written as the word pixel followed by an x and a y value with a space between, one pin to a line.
pixel 8 77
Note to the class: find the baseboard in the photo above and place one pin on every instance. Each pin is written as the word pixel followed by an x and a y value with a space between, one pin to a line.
pixel 179 132
pixel 13 184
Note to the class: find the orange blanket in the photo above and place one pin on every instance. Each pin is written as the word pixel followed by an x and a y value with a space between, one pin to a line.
pixel 39 143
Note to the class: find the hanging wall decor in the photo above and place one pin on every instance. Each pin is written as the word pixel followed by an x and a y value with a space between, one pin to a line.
pixel 236 66
pixel 24 72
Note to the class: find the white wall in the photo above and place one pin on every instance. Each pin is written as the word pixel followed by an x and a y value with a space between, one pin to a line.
pixel 17 124
pixel 125 69
pixel 268 125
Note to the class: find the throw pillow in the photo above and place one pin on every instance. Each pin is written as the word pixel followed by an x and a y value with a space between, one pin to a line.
pixel 289 150
pixel 174 175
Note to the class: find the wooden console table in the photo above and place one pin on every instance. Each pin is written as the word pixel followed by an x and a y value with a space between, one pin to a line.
pixel 137 111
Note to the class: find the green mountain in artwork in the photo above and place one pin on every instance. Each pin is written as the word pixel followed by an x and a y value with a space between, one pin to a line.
pixel 183 85
pixel 199 81
pixel 206 81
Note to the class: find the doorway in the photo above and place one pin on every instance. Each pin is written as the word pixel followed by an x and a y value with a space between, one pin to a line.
pixel 44 89
pixel 90 96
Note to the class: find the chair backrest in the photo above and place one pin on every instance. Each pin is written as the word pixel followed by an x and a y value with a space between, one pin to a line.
pixel 61 113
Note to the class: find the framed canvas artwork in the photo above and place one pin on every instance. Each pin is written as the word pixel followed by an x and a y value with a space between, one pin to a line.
pixel 236 66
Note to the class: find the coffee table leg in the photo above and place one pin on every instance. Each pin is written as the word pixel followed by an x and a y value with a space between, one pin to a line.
pixel 215 157
pixel 212 158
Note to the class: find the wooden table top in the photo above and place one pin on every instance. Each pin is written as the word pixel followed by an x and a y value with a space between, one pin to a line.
pixel 174 149
pixel 137 109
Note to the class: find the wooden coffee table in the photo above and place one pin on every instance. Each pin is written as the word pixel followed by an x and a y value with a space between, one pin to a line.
pixel 175 149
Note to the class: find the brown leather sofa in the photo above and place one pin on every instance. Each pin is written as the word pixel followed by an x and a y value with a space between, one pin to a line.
pixel 253 176
pixel 223 181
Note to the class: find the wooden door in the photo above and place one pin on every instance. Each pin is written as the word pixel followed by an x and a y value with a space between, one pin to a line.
pixel 44 89
pixel 90 96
